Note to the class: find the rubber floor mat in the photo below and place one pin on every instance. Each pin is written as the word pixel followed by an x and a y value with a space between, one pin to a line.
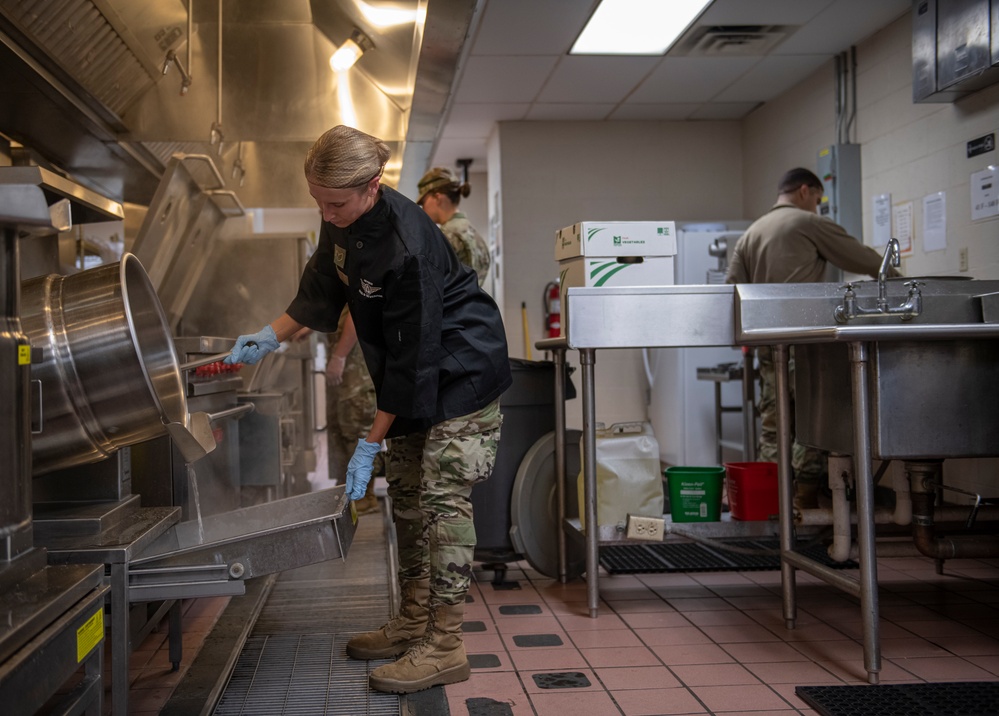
pixel 962 698
pixel 695 557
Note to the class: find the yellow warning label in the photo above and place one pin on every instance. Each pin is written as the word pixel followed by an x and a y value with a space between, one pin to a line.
pixel 89 635
pixel 24 355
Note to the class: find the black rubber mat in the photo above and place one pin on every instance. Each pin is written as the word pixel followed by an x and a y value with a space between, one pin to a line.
pixel 696 557
pixel 561 680
pixel 962 698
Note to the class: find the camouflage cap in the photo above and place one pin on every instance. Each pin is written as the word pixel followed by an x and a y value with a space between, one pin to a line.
pixel 434 180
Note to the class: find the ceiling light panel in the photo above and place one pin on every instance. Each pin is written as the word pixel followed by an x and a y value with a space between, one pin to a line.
pixel 636 27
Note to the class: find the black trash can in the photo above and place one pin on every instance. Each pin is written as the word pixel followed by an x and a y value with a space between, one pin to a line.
pixel 528 408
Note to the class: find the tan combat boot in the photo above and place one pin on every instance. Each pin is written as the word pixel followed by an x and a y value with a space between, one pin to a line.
pixel 366 505
pixel 438 659
pixel 400 633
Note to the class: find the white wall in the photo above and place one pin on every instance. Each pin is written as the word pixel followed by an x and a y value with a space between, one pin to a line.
pixel 476 205
pixel 553 174
pixel 908 150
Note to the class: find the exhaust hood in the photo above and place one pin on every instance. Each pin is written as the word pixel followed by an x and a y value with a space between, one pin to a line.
pixel 82 83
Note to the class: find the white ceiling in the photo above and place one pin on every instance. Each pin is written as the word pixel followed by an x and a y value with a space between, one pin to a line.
pixel 516 66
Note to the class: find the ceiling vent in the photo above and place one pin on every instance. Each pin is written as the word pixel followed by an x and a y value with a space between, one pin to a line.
pixel 731 40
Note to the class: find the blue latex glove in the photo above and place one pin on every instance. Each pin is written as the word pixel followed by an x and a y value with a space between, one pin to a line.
pixel 251 348
pixel 359 468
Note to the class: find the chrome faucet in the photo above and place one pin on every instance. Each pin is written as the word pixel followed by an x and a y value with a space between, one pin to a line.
pixel 890 259
pixel 908 309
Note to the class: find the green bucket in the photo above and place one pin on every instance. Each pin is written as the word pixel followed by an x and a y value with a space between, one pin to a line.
pixel 695 493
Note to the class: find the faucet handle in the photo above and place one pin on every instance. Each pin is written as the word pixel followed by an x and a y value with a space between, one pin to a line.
pixel 914 284
pixel 848 286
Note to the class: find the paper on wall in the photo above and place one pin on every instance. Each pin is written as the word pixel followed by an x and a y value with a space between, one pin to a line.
pixel 935 222
pixel 902 218
pixel 984 194
pixel 882 220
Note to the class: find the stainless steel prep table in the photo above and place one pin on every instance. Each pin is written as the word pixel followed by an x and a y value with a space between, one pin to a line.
pixel 625 317
pixel 692 316
pixel 783 315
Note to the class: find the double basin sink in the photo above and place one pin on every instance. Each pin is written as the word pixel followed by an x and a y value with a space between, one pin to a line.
pixel 934 377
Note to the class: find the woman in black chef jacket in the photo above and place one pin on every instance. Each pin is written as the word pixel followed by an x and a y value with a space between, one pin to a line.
pixel 436 349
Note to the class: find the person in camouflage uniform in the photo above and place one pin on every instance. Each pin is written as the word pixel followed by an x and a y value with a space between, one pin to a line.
pixel 440 193
pixel 350 406
pixel 808 463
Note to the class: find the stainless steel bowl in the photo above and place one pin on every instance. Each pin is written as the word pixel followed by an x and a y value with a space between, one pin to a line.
pixel 110 376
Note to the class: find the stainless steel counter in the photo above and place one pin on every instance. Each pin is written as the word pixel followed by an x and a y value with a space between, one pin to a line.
pixel 779 315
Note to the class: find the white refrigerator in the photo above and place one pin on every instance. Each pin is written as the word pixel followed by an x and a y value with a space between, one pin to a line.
pixel 681 407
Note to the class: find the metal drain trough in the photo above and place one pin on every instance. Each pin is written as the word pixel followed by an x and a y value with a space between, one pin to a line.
pixel 214 555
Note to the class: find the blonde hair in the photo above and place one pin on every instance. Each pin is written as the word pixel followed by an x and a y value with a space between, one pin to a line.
pixel 344 158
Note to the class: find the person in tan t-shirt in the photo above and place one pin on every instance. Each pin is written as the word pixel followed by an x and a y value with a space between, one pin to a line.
pixel 791 243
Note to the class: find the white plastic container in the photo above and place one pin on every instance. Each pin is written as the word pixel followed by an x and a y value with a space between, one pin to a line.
pixel 628 476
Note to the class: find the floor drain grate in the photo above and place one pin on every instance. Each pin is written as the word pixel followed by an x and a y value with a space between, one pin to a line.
pixel 966 698
pixel 295 662
pixel 306 674
pixel 692 557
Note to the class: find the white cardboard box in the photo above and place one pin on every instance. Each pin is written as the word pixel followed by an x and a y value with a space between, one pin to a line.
pixel 616 238
pixel 608 271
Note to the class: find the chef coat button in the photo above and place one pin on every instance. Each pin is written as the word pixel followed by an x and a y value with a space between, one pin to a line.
pixel 359 244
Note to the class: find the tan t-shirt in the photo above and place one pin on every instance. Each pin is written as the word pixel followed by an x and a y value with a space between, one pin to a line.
pixel 791 245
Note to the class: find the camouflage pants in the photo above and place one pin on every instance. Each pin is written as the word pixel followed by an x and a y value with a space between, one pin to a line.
pixel 430 478
pixel 809 463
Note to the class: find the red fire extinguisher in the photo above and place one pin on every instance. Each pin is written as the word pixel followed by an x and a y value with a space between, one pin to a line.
pixel 553 309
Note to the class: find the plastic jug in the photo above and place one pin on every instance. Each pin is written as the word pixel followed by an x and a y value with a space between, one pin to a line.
pixel 628 474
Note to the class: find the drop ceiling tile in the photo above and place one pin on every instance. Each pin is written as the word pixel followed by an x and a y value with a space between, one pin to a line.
pixel 530 27
pixel 771 77
pixel 595 79
pixel 569 111
pixel 771 12
pixel 690 79
pixel 661 110
pixel 503 79
pixel 841 24
pixel 477 119
pixel 724 110
pixel 449 151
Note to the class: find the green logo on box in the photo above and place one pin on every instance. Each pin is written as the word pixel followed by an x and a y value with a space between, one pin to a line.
pixel 663 231
pixel 617 240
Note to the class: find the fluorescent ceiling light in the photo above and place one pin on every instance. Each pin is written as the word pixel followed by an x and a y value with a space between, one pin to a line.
pixel 636 27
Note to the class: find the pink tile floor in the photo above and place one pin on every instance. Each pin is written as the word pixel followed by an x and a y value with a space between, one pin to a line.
pixel 715 643
pixel 698 643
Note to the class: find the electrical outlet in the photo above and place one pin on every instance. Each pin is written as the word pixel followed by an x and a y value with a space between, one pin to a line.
pixel 646 528
pixel 963 259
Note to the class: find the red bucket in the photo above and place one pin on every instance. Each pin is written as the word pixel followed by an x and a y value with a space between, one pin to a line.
pixel 752 490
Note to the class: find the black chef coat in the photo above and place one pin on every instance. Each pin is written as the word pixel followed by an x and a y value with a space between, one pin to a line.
pixel 433 341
